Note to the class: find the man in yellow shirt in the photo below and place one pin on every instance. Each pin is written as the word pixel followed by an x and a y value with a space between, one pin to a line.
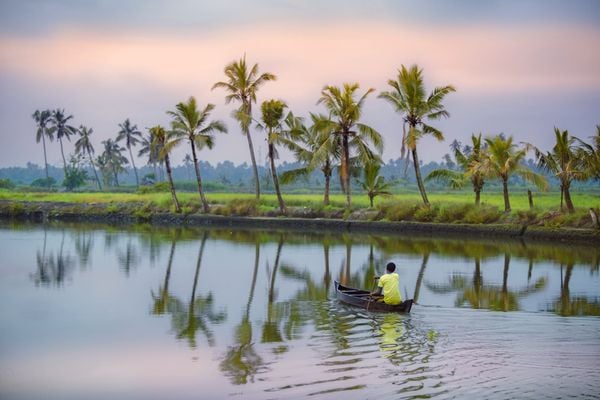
pixel 388 284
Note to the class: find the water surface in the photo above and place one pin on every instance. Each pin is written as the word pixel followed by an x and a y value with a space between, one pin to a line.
pixel 146 313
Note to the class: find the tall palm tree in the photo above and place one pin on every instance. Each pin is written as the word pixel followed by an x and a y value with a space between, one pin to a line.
pixel 373 183
pixel 503 160
pixel 42 118
pixel 242 84
pixel 408 97
pixel 564 162
pixel 192 124
pixel 467 159
pixel 590 153
pixel 113 158
pixel 345 112
pixel 271 117
pixel 162 142
pixel 132 136
pixel 84 145
pixel 62 129
pixel 305 148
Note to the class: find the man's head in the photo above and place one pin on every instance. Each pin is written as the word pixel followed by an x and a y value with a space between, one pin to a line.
pixel 390 267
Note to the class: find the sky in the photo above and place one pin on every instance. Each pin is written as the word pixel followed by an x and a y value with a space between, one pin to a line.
pixel 519 67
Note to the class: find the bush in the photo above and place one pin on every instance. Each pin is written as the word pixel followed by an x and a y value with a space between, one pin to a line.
pixel 453 212
pixel 426 214
pixel 398 211
pixel 238 207
pixel 43 182
pixel 482 215
pixel 6 184
pixel 156 188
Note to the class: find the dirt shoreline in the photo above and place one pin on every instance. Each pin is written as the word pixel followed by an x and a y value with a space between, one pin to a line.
pixel 127 214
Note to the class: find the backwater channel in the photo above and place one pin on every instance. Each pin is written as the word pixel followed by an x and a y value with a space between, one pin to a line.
pixel 141 312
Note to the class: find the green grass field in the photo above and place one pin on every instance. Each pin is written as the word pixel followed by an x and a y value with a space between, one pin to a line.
pixel 547 201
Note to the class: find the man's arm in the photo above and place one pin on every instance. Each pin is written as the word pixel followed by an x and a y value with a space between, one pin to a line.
pixel 377 292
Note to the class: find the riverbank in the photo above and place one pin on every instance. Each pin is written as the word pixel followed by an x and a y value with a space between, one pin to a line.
pixel 298 219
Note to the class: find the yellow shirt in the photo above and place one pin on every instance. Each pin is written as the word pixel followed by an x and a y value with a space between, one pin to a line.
pixel 391 293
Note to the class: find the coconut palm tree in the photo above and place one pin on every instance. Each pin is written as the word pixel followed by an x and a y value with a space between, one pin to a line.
pixel 192 124
pixel 564 162
pixel 271 117
pixel 466 159
pixel 42 118
pixel 187 161
pixel 590 153
pixel 130 134
pixel 408 97
pixel 163 143
pixel 345 112
pixel 309 141
pixel 503 159
pixel 84 145
pixel 113 158
pixel 62 129
pixel 146 149
pixel 242 84
pixel 373 183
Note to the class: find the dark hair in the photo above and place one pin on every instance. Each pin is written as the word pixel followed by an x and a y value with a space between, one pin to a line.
pixel 391 267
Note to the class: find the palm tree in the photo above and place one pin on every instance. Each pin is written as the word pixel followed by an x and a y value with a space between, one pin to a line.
pixel 163 143
pixel 242 84
pixel 590 153
pixel 59 126
pixel 373 183
pixel 564 162
pixel 146 148
pixel 408 99
pixel 42 118
pixel 504 160
pixel 305 148
pixel 192 124
pixel 113 158
pixel 466 158
pixel 132 136
pixel 345 112
pixel 187 161
pixel 84 145
pixel 271 116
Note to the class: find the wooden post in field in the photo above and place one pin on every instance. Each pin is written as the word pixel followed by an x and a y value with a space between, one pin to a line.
pixel 530 196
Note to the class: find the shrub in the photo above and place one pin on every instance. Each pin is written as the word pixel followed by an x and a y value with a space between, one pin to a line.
pixel 6 184
pixel 43 182
pixel 453 212
pixel 482 215
pixel 238 207
pixel 156 188
pixel 398 211
pixel 426 214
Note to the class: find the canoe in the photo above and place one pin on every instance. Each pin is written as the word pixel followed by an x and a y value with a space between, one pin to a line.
pixel 363 299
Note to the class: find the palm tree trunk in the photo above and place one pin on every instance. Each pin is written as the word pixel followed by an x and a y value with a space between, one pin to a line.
pixel 173 194
pixel 45 158
pixel 94 169
pixel 568 200
pixel 137 180
pixel 198 262
pixel 420 277
pixel 505 192
pixel 371 199
pixel 116 176
pixel 199 178
pixel 63 156
pixel 477 280
pixel 327 173
pixel 345 170
pixel 327 277
pixel 406 164
pixel 275 179
pixel 418 177
pixel 562 196
pixel 275 267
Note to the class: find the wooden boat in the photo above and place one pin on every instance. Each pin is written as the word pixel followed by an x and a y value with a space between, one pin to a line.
pixel 363 299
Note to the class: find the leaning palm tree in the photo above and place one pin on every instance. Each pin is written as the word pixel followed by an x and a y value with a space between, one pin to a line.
pixel 271 117
pixel 345 112
pixel 305 148
pixel 242 84
pixel 42 118
pixel 503 160
pixel 192 124
pixel 84 145
pixel 409 99
pixel 162 142
pixel 466 159
pixel 62 129
pixel 564 162
pixel 130 134
pixel 373 183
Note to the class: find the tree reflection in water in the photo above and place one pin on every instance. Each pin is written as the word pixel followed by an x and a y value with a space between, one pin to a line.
pixel 163 302
pixel 241 362
pixel 566 305
pixel 51 269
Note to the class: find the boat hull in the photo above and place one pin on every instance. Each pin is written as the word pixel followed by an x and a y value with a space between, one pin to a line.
pixel 363 299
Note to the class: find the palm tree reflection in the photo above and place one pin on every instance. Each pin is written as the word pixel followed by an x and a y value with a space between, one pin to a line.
pixel 566 305
pixel 52 269
pixel 163 302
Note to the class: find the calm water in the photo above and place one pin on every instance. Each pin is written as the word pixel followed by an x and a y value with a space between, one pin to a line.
pixel 147 313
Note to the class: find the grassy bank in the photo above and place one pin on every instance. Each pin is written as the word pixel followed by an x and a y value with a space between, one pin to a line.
pixel 447 207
